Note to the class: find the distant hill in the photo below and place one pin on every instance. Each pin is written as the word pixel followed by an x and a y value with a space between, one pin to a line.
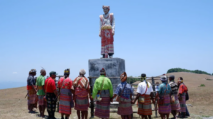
pixel 172 70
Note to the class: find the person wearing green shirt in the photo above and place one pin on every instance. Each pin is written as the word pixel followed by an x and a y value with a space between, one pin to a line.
pixel 41 92
pixel 103 89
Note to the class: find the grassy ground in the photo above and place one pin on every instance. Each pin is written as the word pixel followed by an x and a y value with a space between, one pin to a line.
pixel 13 104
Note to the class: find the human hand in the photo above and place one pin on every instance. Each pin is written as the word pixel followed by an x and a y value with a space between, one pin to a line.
pixel 74 98
pixel 153 101
pixel 91 98
pixel 99 34
pixel 111 99
pixel 113 33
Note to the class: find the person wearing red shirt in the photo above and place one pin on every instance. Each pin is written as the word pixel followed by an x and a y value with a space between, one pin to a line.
pixel 182 96
pixel 51 94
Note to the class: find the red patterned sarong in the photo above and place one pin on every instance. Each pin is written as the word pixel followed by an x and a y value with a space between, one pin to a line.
pixel 166 107
pixel 183 103
pixel 125 106
pixel 65 101
pixel 41 100
pixel 175 105
pixel 32 97
pixel 107 42
pixel 146 107
pixel 81 101
pixel 102 108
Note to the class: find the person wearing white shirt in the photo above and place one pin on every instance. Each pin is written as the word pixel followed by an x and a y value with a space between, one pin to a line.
pixel 157 87
pixel 144 92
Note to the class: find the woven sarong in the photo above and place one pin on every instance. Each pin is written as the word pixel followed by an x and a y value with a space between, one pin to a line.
pixel 166 107
pixel 81 99
pixel 41 100
pixel 183 103
pixel 102 108
pixel 32 98
pixel 81 103
pixel 125 106
pixel 146 107
pixel 175 105
pixel 107 42
pixel 65 102
pixel 51 102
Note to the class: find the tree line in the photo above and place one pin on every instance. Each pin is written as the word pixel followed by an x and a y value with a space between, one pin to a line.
pixel 131 80
pixel 186 70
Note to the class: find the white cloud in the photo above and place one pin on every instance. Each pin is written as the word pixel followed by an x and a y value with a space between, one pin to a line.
pixel 15 72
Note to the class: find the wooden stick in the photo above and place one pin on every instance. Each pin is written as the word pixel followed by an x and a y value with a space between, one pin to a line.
pixel 26 95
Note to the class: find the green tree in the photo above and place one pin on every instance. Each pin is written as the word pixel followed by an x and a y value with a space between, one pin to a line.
pixel 186 70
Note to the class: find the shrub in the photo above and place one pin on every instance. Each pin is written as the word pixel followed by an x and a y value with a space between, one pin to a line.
pixel 202 85
pixel 186 70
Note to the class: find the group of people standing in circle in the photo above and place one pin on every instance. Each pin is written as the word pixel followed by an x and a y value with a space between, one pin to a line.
pixel 171 97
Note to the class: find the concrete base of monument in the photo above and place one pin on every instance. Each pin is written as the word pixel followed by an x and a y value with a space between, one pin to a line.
pixel 114 67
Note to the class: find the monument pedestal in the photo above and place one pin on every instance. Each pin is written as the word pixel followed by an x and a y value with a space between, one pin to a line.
pixel 114 67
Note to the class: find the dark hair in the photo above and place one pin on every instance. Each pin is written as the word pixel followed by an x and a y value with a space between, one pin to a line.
pixel 66 73
pixel 181 78
pixel 172 78
pixel 143 75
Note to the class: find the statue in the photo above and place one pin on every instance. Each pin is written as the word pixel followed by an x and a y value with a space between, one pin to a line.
pixel 107 31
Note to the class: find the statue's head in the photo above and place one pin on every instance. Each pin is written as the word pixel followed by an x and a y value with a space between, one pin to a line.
pixel 106 9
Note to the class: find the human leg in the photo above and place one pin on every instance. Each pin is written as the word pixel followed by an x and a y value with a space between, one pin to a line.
pixel 110 55
pixel 129 116
pixel 85 114
pixel 103 55
pixel 78 113
pixel 144 117
pixel 162 116
pixel 43 110
pixel 40 109
pixel 167 116
pixel 122 116
pixel 62 116
pixel 82 114
pixel 173 113
pixel 67 116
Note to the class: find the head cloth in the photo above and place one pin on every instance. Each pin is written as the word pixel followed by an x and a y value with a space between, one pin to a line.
pixel 102 71
pixel 82 72
pixel 163 78
pixel 106 7
pixel 123 77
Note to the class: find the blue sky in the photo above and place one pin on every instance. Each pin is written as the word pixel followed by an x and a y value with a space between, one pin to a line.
pixel 152 36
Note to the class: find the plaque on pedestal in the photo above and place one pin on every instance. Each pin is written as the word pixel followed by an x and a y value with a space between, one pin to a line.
pixel 114 67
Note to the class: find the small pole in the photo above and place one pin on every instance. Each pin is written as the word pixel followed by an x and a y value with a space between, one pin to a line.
pixel 153 85
pixel 91 101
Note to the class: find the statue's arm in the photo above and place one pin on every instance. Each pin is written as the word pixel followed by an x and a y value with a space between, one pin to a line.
pixel 113 23
pixel 100 26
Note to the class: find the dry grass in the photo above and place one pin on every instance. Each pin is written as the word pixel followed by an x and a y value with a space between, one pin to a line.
pixel 14 105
